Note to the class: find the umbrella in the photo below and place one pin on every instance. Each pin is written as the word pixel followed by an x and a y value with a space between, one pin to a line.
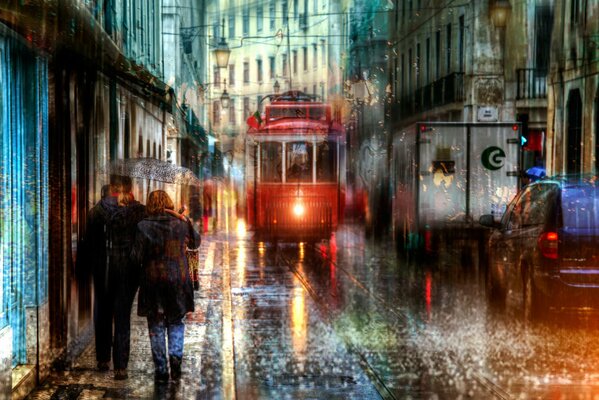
pixel 153 169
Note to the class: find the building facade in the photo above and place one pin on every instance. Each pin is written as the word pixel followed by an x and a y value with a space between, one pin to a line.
pixel 573 89
pixel 86 91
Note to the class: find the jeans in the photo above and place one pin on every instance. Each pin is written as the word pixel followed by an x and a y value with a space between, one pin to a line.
pixel 124 296
pixel 103 312
pixel 159 327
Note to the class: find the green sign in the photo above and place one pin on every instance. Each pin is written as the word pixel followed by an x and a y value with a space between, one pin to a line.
pixel 493 158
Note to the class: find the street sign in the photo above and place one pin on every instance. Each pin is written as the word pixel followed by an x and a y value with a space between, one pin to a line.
pixel 488 114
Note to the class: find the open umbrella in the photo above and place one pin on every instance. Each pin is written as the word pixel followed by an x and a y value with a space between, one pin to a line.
pixel 153 169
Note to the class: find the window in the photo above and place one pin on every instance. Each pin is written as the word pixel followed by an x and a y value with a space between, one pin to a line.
pixel 531 208
pixel 259 103
pixel 315 4
pixel 246 72
pixel 285 10
pixel 298 162
pixel 246 107
pixel 574 124
pixel 295 61
pixel 409 72
pixel 246 21
pixel 271 161
pixel 140 146
pixel 259 17
pixel 461 44
pixel 543 26
pixel 326 162
pixel 437 55
pixel 574 12
pixel 272 12
pixel 448 40
pixel 284 64
pixel 259 70
pixel 314 90
pixel 417 65
pixel 232 112
pixel 231 74
pixel 323 53
pixel 295 9
pixel 403 75
pixel 271 61
pixel 305 50
pixel 154 150
pixel 216 79
pixel 314 56
pixel 231 25
pixel 216 113
pixel 580 208
pixel 216 32
pixel 148 148
pixel 428 60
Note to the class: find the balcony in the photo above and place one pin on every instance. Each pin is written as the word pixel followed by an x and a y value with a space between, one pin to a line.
pixel 446 90
pixel 532 83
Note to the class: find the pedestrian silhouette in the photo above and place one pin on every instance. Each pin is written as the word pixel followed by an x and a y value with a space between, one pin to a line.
pixel 93 255
pixel 123 276
pixel 166 291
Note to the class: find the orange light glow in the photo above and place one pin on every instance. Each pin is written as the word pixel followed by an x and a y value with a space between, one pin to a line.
pixel 241 228
pixel 298 209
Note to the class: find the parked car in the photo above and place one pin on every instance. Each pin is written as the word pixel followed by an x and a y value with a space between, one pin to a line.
pixel 545 250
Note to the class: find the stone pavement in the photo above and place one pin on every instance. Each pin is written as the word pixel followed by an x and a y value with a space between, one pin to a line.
pixel 255 334
pixel 83 381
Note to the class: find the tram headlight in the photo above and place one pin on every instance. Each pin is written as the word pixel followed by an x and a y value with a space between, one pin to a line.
pixel 299 209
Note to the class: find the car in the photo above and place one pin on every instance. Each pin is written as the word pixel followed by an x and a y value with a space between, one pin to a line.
pixel 544 253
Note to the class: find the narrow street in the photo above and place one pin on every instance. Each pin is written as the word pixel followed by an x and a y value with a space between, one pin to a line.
pixel 347 319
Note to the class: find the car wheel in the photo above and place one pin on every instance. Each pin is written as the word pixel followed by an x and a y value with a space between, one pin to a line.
pixel 532 306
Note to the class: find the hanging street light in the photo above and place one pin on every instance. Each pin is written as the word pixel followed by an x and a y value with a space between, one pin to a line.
pixel 225 99
pixel 277 87
pixel 500 11
pixel 222 50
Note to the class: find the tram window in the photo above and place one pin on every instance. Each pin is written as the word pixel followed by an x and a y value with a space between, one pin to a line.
pixel 271 162
pixel 326 162
pixel 299 162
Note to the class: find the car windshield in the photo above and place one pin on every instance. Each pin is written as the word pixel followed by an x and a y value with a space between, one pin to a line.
pixel 580 207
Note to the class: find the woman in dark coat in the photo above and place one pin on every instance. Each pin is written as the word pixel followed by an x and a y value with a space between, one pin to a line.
pixel 166 291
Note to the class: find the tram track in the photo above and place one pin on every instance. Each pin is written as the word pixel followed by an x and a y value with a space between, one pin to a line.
pixel 486 382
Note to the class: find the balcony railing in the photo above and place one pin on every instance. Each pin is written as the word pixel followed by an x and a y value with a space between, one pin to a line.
pixel 532 83
pixel 443 91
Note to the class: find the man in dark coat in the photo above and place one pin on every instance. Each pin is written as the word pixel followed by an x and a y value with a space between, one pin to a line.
pixel 95 256
pixel 166 291
pixel 123 276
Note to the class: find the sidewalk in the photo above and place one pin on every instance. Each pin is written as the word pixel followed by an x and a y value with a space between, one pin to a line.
pixel 201 378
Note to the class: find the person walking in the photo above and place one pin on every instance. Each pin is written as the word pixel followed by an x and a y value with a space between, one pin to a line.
pixel 166 291
pixel 93 255
pixel 123 276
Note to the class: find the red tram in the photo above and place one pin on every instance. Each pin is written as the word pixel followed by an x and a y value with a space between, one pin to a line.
pixel 295 170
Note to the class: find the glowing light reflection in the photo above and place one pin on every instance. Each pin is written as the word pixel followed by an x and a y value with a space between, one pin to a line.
pixel 241 228
pixel 298 321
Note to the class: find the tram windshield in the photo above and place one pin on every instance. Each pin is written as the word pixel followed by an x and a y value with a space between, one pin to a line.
pixel 326 162
pixel 299 162
pixel 314 113
pixel 271 161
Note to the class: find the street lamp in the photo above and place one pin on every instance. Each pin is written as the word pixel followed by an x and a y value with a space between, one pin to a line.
pixel 224 97
pixel 222 50
pixel 277 87
pixel 500 11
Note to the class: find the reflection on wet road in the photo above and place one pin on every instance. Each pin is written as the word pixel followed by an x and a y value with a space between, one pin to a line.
pixel 416 329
